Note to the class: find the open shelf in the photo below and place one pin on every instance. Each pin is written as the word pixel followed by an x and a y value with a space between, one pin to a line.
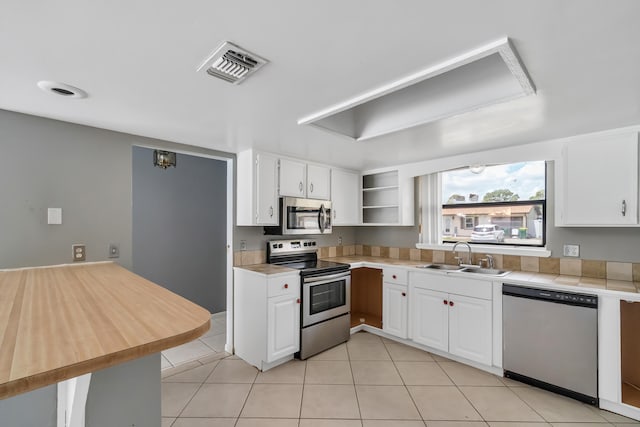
pixel 388 187
pixel 381 198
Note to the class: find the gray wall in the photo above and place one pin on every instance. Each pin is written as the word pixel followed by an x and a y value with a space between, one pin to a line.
pixel 83 170
pixel 256 240
pixel 608 244
pixel 35 408
pixel 180 226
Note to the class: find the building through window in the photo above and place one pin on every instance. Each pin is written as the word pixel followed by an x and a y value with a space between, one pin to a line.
pixel 501 204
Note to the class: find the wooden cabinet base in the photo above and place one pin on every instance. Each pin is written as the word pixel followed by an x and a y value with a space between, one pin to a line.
pixel 366 297
pixel 359 318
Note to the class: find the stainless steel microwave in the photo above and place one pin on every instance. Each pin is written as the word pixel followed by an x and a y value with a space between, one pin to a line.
pixel 302 216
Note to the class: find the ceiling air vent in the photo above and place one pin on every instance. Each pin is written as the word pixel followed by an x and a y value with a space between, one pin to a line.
pixel 232 63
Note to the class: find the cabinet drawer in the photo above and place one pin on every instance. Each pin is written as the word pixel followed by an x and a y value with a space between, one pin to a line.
pixel 454 284
pixel 287 285
pixel 395 275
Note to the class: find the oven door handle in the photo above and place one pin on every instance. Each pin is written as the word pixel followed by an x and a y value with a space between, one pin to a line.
pixel 329 278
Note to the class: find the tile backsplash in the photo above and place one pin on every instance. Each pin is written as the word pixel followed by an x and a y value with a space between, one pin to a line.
pixel 596 269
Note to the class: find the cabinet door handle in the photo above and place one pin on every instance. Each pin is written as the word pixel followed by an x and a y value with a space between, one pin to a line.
pixel 394 276
pixel 624 208
pixel 298 301
pixel 286 286
pixel 271 211
pixel 300 186
pixel 445 302
pixel 311 187
pixel 404 294
pixel 334 213
pixel 451 303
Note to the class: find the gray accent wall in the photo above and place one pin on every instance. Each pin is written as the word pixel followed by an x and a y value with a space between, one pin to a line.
pixel 180 226
pixel 83 170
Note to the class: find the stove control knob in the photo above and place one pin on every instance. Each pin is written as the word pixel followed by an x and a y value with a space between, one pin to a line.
pixel 279 245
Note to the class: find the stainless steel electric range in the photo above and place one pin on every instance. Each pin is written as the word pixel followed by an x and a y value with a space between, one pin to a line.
pixel 326 294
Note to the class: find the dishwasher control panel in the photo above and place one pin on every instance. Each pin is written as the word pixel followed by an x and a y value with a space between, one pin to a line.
pixel 584 300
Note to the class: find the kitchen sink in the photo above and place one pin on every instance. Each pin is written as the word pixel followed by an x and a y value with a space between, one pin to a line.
pixel 486 271
pixel 446 267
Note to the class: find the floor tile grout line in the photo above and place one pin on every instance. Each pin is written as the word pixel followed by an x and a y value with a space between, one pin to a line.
pixel 463 395
pixel 304 384
pixel 355 390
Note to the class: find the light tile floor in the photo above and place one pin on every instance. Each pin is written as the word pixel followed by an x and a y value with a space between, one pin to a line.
pixel 208 347
pixel 367 382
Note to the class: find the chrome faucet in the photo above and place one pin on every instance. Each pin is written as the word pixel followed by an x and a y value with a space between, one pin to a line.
pixel 488 260
pixel 469 260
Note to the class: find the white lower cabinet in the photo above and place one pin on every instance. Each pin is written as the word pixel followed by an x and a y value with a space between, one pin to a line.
pixel 394 309
pixel 458 323
pixel 283 329
pixel 470 328
pixel 266 313
pixel 430 318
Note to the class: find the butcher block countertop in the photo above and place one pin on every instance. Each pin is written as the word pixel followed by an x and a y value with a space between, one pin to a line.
pixel 64 321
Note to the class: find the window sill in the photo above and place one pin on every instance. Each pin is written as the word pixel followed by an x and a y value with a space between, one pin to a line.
pixel 491 249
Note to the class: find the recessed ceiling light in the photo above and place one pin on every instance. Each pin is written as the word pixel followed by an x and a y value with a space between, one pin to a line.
pixel 61 89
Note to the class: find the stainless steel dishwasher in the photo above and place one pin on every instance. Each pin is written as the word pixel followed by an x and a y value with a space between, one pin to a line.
pixel 550 340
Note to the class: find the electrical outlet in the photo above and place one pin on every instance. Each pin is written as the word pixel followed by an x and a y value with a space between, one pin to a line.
pixel 79 252
pixel 114 250
pixel 243 245
pixel 339 240
pixel 571 250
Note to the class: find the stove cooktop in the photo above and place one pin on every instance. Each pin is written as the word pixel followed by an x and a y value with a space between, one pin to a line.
pixel 313 267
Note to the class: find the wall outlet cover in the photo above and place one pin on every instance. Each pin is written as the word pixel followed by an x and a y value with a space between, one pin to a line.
pixel 571 251
pixel 79 252
pixel 114 250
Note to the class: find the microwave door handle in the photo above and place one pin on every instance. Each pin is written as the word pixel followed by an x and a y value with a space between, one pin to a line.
pixel 322 217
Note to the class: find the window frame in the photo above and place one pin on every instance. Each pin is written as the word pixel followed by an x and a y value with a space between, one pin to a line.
pixel 430 216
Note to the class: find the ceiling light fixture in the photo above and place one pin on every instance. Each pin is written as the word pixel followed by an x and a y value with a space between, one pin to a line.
pixel 488 75
pixel 164 159
pixel 477 168
pixel 62 89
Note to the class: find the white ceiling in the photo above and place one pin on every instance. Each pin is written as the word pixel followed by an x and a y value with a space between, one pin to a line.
pixel 137 61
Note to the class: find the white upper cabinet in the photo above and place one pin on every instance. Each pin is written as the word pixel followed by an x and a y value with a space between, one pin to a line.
pixel 257 192
pixel 345 206
pixel 598 182
pixel 299 179
pixel 318 182
pixel 293 178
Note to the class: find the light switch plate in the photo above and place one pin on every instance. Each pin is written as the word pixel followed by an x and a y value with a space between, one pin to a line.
pixel 54 216
pixel 571 250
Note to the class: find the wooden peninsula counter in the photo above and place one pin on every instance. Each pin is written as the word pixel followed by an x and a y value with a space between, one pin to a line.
pixel 61 322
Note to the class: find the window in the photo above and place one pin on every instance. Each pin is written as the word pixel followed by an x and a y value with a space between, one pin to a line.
pixel 502 204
